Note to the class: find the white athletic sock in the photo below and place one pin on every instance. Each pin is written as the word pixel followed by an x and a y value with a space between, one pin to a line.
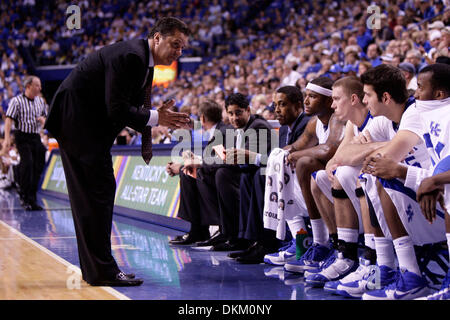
pixel 369 240
pixel 448 242
pixel 296 224
pixel 348 235
pixel 406 255
pixel 320 232
pixel 385 252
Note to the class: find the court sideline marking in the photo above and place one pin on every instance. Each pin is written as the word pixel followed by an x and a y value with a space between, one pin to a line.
pixel 76 269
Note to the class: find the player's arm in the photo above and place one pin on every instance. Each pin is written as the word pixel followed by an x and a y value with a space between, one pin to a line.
pixel 430 192
pixel 348 137
pixel 384 162
pixel 354 152
pixel 307 139
pixel 399 147
pixel 11 113
pixel 323 152
pixel 433 183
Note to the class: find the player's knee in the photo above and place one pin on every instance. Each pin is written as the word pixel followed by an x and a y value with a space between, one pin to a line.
pixel 336 184
pixel 314 187
pixel 304 165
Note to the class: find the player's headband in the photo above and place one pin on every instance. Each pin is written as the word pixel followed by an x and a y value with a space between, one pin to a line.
pixel 318 89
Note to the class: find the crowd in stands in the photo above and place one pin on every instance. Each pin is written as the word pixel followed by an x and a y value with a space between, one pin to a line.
pixel 249 48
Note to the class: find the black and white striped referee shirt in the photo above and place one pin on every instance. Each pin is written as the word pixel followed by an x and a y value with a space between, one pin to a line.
pixel 26 111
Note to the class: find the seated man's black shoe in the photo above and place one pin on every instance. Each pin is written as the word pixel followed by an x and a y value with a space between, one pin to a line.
pixel 120 280
pixel 179 238
pixel 237 254
pixel 230 245
pixel 189 239
pixel 255 255
pixel 216 239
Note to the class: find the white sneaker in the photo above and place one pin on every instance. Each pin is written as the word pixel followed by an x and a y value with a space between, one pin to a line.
pixel 366 277
pixel 340 268
pixel 286 254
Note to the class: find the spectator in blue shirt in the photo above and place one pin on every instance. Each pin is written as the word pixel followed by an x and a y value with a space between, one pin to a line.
pixel 364 37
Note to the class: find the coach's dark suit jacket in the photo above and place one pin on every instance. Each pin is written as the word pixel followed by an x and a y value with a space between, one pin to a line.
pixel 93 104
pixel 102 95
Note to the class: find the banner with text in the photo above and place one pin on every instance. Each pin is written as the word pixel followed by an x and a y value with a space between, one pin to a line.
pixel 139 186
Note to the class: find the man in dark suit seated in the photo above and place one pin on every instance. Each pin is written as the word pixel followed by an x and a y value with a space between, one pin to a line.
pixel 201 212
pixel 288 103
pixel 223 181
pixel 107 91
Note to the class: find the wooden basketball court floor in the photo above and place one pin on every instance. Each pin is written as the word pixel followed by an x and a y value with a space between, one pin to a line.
pixel 39 261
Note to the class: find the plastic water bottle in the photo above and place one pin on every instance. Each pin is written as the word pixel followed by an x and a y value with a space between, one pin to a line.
pixel 300 242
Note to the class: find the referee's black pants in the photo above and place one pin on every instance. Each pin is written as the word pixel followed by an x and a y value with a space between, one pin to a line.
pixel 32 161
pixel 91 188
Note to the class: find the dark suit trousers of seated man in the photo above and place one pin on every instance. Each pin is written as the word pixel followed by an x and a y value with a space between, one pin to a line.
pixel 200 211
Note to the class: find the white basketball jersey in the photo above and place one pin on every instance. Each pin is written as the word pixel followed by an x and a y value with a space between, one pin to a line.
pixel 435 118
pixel 322 131
pixel 357 130
pixel 383 129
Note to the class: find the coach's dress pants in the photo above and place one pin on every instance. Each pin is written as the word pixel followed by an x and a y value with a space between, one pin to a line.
pixel 91 188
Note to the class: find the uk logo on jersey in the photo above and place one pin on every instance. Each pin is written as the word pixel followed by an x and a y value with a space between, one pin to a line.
pixel 435 128
pixel 409 213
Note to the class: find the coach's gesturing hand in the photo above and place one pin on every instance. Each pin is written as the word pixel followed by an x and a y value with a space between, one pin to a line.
pixel 171 119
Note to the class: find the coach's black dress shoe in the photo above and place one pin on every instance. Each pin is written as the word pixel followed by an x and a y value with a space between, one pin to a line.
pixel 120 280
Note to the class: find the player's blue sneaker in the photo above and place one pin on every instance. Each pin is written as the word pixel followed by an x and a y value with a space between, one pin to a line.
pixel 309 260
pixel 366 277
pixel 331 286
pixel 284 254
pixel 322 264
pixel 336 270
pixel 407 286
pixel 443 293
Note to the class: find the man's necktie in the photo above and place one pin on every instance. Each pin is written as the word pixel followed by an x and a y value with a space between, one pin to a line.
pixel 288 135
pixel 239 138
pixel 206 136
pixel 146 151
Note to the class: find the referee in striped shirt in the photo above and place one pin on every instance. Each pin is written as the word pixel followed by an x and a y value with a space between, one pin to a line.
pixel 28 112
